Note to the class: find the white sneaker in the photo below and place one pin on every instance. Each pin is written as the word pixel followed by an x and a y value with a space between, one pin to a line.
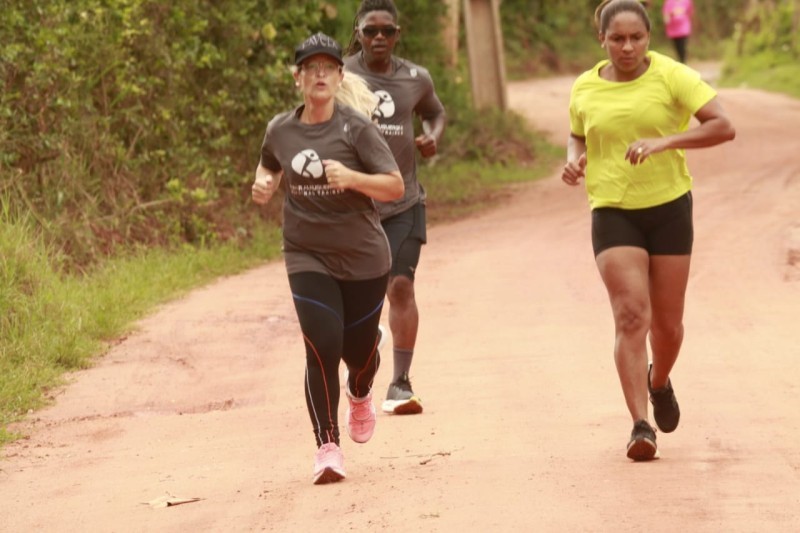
pixel 400 398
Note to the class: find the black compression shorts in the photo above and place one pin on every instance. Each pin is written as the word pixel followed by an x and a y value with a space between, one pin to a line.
pixel 406 233
pixel 664 229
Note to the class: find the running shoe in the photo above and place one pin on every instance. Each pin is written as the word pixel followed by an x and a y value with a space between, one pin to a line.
pixel 665 405
pixel 400 398
pixel 642 446
pixel 328 464
pixel 360 417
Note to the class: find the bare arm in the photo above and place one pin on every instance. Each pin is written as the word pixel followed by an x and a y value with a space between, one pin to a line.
pixel 432 128
pixel 381 187
pixel 575 169
pixel 265 184
pixel 715 128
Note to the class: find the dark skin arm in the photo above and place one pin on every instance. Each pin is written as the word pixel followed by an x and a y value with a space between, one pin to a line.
pixel 715 128
pixel 575 169
pixel 432 128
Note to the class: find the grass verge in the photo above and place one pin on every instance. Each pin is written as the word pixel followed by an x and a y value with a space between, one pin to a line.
pixel 770 72
pixel 53 324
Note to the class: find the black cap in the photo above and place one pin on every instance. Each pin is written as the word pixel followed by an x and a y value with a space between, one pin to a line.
pixel 319 43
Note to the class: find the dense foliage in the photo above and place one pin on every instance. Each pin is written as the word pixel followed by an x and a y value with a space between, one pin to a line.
pixel 125 121
pixel 766 47
pixel 137 122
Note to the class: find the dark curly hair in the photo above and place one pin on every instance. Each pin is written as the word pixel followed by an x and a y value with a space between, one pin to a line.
pixel 368 6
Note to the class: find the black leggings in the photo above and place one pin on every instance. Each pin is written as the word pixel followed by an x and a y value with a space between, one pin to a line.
pixel 680 47
pixel 339 321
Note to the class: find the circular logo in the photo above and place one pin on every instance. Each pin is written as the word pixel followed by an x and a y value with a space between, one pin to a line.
pixel 308 164
pixel 385 105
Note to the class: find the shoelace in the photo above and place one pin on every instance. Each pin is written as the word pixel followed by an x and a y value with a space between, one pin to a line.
pixel 327 452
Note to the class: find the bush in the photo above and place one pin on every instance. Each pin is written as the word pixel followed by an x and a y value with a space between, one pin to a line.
pixel 139 121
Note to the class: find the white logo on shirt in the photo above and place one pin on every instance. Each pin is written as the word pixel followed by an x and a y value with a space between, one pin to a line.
pixel 413 72
pixel 385 105
pixel 308 164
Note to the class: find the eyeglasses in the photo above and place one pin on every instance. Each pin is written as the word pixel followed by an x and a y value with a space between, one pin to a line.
pixel 324 68
pixel 372 31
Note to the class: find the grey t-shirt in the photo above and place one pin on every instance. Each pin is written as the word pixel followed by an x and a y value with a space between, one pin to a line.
pixel 335 232
pixel 407 89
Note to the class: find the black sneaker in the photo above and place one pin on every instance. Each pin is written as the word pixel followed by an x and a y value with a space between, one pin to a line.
pixel 665 405
pixel 400 398
pixel 642 446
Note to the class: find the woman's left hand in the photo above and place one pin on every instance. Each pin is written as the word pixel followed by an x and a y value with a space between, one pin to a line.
pixel 641 149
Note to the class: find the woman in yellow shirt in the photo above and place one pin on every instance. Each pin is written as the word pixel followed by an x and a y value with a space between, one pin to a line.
pixel 629 119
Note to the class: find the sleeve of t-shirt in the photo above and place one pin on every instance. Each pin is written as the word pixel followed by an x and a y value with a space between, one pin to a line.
pixel 575 119
pixel 268 159
pixel 689 89
pixel 429 106
pixel 373 151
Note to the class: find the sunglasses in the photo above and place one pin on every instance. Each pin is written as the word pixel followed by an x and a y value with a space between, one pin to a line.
pixel 372 31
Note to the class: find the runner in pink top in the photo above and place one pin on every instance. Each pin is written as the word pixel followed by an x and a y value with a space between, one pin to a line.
pixel 678 16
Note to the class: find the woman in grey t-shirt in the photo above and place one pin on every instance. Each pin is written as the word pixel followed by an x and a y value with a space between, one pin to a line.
pixel 334 163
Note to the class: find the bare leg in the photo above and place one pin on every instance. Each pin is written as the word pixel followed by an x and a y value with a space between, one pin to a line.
pixel 403 313
pixel 669 276
pixel 403 321
pixel 625 271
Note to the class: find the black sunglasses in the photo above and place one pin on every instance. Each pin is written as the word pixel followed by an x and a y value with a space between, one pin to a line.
pixel 373 31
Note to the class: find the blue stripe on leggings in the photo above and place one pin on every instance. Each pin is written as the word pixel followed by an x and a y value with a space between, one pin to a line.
pixel 318 304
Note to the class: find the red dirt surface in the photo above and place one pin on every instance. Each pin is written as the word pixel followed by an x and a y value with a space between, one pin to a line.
pixel 525 425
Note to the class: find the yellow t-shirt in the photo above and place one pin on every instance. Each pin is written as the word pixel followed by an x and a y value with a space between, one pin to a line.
pixel 611 115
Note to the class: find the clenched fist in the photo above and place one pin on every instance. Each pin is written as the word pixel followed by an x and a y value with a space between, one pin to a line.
pixel 263 188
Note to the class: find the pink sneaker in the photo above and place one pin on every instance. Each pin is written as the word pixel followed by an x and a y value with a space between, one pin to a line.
pixel 360 417
pixel 328 464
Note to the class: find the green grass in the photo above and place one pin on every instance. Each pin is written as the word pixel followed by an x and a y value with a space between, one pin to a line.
pixel 770 72
pixel 460 189
pixel 53 324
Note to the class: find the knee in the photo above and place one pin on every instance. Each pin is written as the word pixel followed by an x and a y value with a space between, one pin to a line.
pixel 632 318
pixel 670 332
pixel 401 290
pixel 322 350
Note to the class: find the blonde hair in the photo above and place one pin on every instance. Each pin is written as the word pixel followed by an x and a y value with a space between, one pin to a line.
pixel 355 92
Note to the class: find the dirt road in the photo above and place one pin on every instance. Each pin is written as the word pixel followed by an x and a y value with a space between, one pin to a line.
pixel 525 426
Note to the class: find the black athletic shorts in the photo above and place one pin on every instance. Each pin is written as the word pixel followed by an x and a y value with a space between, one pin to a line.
pixel 406 233
pixel 664 229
